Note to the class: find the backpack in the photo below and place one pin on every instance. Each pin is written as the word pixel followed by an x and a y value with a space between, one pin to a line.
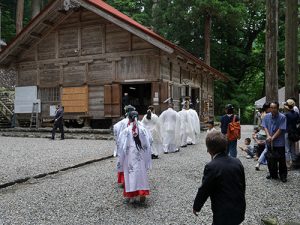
pixel 294 133
pixel 234 130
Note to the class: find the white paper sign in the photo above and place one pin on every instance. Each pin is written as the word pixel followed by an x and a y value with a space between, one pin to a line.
pixel 52 110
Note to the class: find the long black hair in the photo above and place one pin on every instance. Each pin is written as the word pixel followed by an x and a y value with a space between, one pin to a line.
pixel 148 114
pixel 133 115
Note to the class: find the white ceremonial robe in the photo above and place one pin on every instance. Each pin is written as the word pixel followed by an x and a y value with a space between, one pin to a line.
pixel 132 161
pixel 169 122
pixel 186 126
pixel 193 138
pixel 152 126
pixel 117 129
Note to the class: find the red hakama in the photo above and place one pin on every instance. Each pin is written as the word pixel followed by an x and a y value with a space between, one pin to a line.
pixel 121 179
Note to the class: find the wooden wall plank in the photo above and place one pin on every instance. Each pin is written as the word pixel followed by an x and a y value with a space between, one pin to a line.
pixel 96 102
pixel 74 73
pixel 138 43
pixel 164 68
pixel 91 42
pixel 70 97
pixel 75 99
pixel 46 48
pixel 164 94
pixel 176 72
pixel 49 75
pixel 117 39
pixel 138 67
pixel 27 56
pixel 68 42
pixel 27 74
pixel 100 71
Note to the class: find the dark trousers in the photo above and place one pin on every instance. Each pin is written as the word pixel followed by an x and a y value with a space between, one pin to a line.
pixel 276 160
pixel 260 149
pixel 60 126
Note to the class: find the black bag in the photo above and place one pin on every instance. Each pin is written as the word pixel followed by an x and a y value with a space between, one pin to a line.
pixel 293 135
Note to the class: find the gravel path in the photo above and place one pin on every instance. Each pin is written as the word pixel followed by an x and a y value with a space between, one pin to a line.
pixel 89 195
pixel 27 157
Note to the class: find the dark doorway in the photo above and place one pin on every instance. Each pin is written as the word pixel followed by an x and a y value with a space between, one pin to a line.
pixel 139 96
pixel 195 99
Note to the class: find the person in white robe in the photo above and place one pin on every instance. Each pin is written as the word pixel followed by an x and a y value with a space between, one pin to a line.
pixel 194 136
pixel 169 122
pixel 134 153
pixel 151 122
pixel 186 125
pixel 117 129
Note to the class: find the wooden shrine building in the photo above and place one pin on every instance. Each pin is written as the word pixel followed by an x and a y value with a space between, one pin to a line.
pixel 85 54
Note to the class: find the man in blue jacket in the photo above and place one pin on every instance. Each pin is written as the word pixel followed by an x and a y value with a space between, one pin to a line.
pixel 224 182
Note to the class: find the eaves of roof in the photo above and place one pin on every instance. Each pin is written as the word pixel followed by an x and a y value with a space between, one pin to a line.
pixel 101 5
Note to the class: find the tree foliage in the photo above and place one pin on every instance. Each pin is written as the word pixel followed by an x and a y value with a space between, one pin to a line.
pixel 237 39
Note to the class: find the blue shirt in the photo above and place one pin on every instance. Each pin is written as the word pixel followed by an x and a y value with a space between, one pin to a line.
pixel 273 123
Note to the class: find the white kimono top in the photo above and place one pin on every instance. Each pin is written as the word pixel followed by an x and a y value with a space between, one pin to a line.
pixel 134 162
pixel 117 129
pixel 169 122
pixel 152 126
pixel 194 137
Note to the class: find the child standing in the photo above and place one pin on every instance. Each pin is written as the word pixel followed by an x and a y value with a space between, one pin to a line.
pixel 249 149
pixel 211 126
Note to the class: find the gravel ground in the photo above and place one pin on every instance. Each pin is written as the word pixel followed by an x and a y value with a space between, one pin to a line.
pixel 89 194
pixel 23 157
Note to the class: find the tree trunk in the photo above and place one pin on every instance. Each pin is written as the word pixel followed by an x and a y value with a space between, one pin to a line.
pixel 271 70
pixel 291 50
pixel 35 7
pixel 19 16
pixel 154 7
pixel 207 31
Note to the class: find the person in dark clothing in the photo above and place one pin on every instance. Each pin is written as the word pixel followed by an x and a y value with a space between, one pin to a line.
pixel 292 119
pixel 224 182
pixel 225 120
pixel 58 122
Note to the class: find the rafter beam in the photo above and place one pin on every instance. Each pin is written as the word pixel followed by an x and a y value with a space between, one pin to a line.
pixel 36 35
pixel 24 46
pixel 48 23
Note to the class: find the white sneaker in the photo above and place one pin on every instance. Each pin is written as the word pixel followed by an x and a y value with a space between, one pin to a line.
pixel 248 157
pixel 257 166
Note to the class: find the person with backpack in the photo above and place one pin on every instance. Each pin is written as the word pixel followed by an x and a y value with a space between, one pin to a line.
pixel 292 135
pixel 230 126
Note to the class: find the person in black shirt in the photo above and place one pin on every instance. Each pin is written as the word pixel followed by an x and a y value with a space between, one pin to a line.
pixel 58 122
pixel 292 118
pixel 225 120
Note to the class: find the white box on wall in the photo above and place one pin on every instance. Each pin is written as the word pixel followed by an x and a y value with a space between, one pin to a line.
pixel 24 99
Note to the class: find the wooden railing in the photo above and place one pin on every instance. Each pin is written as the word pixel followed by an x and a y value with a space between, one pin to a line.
pixel 5 111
